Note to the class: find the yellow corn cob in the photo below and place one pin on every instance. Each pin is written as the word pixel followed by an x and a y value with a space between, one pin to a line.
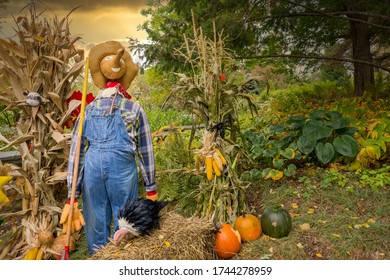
pixel 221 157
pixel 216 169
pixel 209 167
pixel 31 254
pixel 218 160
pixel 39 254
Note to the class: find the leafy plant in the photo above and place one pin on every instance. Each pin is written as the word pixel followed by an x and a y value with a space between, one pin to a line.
pixel 376 178
pixel 325 136
pixel 326 133
pixel 375 144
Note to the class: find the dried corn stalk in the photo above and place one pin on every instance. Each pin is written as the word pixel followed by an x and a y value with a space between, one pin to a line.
pixel 222 195
pixel 213 93
pixel 43 61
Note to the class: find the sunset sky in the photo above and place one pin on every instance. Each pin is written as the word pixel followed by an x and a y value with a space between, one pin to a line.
pixel 95 21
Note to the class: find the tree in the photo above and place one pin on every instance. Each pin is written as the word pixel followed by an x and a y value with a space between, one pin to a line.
pixel 306 30
pixel 298 29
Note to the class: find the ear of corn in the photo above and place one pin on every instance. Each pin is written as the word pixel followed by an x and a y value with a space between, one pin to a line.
pixel 31 254
pixel 218 161
pixel 39 254
pixel 221 156
pixel 209 167
pixel 216 169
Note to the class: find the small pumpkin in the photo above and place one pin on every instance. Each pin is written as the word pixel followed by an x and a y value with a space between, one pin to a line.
pixel 227 242
pixel 276 222
pixel 45 237
pixel 248 226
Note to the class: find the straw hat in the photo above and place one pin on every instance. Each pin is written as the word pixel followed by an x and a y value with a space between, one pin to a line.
pixel 110 61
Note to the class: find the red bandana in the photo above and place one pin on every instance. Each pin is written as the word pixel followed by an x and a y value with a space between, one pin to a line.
pixel 120 88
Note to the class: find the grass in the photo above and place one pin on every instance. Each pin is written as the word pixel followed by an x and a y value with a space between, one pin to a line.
pixel 329 222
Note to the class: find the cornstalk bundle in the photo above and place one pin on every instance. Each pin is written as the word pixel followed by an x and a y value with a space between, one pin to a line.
pixel 213 92
pixel 36 74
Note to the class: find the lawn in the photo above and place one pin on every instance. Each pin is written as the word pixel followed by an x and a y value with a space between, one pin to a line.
pixel 329 221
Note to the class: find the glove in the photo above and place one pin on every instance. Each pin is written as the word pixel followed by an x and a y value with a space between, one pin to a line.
pixel 77 218
pixel 152 195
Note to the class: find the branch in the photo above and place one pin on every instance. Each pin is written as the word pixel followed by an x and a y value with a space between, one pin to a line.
pixel 336 15
pixel 317 57
pixel 330 14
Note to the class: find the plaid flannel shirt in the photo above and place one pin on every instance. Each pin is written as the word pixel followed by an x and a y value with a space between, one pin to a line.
pixel 139 134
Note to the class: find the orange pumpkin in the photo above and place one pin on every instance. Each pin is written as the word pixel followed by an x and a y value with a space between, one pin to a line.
pixel 227 242
pixel 248 226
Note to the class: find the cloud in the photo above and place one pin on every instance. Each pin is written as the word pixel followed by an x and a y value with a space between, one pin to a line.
pixel 95 21
pixel 15 6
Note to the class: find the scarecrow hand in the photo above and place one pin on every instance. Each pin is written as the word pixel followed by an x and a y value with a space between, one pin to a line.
pixel 77 218
pixel 152 195
pixel 119 235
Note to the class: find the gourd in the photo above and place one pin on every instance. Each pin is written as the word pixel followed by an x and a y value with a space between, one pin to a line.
pixel 276 222
pixel 248 226
pixel 227 242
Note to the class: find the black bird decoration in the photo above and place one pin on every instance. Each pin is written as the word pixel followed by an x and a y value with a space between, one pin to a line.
pixel 141 215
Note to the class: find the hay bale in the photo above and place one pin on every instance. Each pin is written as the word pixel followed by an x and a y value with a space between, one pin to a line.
pixel 178 238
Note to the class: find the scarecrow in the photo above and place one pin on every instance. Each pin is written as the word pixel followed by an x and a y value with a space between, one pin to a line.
pixel 116 139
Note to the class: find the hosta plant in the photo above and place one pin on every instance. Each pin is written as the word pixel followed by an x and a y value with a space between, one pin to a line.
pixel 323 135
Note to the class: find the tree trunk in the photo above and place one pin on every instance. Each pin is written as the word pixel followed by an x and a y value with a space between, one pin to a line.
pixel 360 37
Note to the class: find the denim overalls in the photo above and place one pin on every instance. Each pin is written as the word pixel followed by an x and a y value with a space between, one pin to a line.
pixel 110 173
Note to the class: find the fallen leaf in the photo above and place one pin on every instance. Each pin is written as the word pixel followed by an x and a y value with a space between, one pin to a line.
pixel 305 226
pixel 299 245
pixel 271 250
pixel 350 227
pixel 293 215
pixel 168 244
pixel 366 225
pixel 294 205
pixel 371 221
pixel 322 221
pixel 310 211
pixel 357 226
pixel 336 235
pixel 318 255
pixel 346 209
pixel 266 238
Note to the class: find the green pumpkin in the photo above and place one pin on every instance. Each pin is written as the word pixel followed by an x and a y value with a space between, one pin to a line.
pixel 276 222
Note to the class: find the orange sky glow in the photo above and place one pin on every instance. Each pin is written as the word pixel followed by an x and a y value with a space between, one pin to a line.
pixel 95 21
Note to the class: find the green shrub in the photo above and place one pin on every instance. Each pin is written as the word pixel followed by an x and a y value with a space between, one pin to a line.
pixel 323 136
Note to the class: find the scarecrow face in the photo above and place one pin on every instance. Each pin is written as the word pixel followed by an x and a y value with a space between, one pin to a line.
pixel 113 66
